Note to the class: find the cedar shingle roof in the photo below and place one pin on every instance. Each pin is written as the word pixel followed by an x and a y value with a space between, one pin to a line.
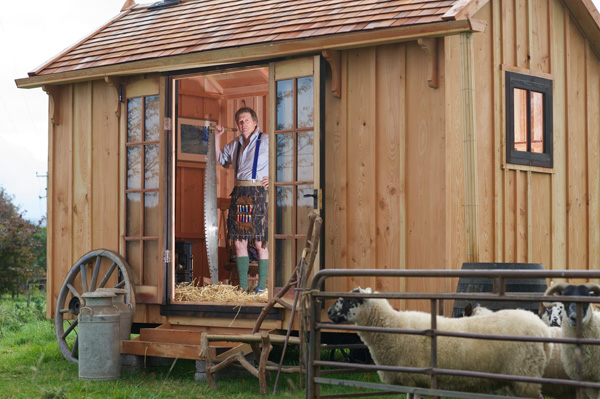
pixel 200 25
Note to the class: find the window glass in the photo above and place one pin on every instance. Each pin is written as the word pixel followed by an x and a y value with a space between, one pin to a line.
pixel 283 256
pixel 151 166
pixel 285 157
pixel 285 105
pixel 305 156
pixel 304 207
pixel 151 131
pixel 151 222
pixel 537 122
pixel 284 210
pixel 134 120
pixel 305 102
pixel 134 167
pixel 520 120
pixel 133 215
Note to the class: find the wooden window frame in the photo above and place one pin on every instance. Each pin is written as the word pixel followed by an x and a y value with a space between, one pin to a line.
pixel 142 191
pixel 515 80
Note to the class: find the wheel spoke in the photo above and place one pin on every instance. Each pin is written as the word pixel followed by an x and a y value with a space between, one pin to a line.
pixel 95 274
pixel 65 311
pixel 120 285
pixel 73 291
pixel 71 327
pixel 107 275
pixel 75 346
pixel 84 284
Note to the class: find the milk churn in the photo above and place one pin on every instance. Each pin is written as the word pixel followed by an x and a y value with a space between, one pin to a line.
pixel 125 313
pixel 99 344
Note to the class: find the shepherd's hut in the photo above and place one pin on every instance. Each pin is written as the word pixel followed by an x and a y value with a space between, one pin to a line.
pixel 427 133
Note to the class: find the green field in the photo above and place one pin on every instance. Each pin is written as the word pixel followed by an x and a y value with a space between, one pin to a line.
pixel 31 366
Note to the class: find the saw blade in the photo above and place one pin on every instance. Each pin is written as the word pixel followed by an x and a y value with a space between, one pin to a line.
pixel 211 227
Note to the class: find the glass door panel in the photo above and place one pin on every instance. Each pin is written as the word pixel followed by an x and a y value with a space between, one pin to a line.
pixel 296 127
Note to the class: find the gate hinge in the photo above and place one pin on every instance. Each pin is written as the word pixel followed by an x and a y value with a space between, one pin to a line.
pixel 167 256
pixel 167 122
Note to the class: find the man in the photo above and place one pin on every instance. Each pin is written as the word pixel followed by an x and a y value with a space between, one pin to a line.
pixel 247 219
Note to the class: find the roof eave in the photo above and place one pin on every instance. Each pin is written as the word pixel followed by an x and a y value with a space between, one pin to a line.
pixel 588 18
pixel 258 52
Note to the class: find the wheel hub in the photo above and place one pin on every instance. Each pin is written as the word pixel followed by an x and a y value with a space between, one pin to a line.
pixel 75 305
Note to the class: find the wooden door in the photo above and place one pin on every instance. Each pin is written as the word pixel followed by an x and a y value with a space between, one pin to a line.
pixel 295 189
pixel 144 155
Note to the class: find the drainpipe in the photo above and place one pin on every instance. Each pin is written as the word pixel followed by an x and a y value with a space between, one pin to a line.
pixel 469 146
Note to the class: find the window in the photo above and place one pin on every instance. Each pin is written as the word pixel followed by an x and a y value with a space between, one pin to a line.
pixel 294 132
pixel 142 190
pixel 528 120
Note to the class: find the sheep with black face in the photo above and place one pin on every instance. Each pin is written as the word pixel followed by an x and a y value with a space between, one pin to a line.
pixel 590 328
pixel 503 357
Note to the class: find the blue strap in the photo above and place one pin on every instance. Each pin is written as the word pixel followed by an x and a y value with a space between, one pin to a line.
pixel 256 157
pixel 237 158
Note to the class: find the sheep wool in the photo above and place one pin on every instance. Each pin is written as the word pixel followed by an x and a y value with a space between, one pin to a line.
pixel 502 357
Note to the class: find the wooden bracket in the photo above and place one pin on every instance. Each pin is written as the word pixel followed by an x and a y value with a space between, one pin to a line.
pixel 116 83
pixel 430 46
pixel 334 58
pixel 54 97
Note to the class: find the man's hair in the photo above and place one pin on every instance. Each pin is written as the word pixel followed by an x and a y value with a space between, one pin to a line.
pixel 248 110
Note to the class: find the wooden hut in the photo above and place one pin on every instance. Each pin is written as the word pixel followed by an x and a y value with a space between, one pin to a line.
pixel 429 132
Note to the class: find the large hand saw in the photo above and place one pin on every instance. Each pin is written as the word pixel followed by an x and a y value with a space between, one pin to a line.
pixel 211 226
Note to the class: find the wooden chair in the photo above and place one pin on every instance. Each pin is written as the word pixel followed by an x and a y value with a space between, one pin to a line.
pixel 261 341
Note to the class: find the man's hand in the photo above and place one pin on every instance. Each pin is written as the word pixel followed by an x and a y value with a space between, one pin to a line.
pixel 265 182
pixel 219 130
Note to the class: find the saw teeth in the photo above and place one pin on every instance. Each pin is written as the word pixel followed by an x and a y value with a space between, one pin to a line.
pixel 211 231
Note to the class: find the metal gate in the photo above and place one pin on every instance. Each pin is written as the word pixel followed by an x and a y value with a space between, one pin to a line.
pixel 322 372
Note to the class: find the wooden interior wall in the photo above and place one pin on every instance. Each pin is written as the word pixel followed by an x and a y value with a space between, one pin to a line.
pixel 198 100
pixel 83 211
pixel 531 214
pixel 384 164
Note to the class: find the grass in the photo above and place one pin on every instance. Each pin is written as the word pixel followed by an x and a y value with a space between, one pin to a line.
pixel 31 366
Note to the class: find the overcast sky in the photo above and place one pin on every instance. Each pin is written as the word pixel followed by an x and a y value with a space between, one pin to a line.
pixel 32 32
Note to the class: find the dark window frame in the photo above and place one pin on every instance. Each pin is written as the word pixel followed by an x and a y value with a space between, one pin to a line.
pixel 529 83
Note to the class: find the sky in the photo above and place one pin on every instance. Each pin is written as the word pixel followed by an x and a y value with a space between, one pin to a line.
pixel 31 33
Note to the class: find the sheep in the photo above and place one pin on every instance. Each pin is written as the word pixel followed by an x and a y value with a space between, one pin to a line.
pixel 554 367
pixel 590 328
pixel 503 357
pixel 551 314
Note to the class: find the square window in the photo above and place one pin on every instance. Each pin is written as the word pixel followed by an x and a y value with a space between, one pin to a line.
pixel 528 120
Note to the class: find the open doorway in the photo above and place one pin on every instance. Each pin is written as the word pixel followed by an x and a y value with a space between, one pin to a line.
pixel 201 101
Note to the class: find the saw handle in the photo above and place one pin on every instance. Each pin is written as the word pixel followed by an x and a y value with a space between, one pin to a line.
pixel 232 129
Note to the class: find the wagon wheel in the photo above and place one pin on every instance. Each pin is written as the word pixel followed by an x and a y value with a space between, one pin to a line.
pixel 102 264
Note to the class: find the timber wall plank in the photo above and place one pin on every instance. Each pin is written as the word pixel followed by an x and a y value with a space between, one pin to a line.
pixel 391 163
pixel 362 132
pixel 559 178
pixel 425 176
pixel 484 92
pixel 335 242
pixel 455 171
pixel 82 173
pixel 593 155
pixel 59 216
pixel 105 168
pixel 576 150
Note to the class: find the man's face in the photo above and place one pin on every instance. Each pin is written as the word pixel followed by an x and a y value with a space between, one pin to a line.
pixel 245 123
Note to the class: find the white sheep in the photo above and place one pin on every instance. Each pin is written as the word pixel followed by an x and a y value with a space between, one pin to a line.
pixel 554 367
pixel 503 357
pixel 590 328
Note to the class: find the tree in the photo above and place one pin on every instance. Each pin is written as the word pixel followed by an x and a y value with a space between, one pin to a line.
pixel 18 247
